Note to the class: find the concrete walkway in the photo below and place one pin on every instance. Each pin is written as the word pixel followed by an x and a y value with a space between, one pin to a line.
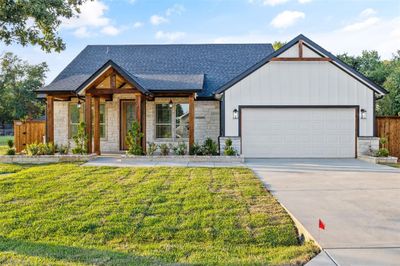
pixel 116 161
pixel 358 201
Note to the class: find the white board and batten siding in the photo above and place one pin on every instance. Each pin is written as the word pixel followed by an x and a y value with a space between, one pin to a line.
pixel 299 83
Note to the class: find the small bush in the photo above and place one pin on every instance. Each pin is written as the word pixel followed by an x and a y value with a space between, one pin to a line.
pixel 196 149
pixel 134 139
pixel 210 147
pixel 229 150
pixel 10 143
pixel 62 149
pixel 180 149
pixel 164 149
pixel 81 140
pixel 34 149
pixel 151 148
pixel 382 152
pixel 10 151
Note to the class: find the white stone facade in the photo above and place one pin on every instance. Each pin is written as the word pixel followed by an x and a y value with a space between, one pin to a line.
pixel 236 144
pixel 367 145
pixel 207 121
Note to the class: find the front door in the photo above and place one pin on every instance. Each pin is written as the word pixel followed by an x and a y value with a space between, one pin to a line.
pixel 127 116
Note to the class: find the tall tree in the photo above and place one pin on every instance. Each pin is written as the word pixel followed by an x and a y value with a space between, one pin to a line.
pixel 35 22
pixel 18 82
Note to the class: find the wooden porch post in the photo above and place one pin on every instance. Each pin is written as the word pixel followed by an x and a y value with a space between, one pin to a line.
pixel 96 131
pixel 191 121
pixel 139 110
pixel 88 120
pixel 50 119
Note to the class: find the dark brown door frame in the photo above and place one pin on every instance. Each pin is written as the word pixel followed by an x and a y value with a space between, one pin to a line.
pixel 355 107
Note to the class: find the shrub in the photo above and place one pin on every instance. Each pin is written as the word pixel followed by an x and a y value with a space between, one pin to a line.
pixel 151 148
pixel 210 147
pixel 229 150
pixel 40 149
pixel 164 149
pixel 180 149
pixel 196 149
pixel 10 143
pixel 10 151
pixel 81 140
pixel 133 139
pixel 382 152
pixel 62 149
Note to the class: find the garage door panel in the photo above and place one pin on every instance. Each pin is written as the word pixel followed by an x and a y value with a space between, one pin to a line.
pixel 298 132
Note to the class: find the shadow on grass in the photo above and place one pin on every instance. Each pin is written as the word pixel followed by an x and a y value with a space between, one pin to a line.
pixel 73 254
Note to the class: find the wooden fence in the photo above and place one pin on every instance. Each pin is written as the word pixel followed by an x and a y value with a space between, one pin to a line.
pixel 389 127
pixel 27 132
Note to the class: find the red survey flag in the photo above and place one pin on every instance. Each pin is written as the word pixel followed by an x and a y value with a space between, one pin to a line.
pixel 321 224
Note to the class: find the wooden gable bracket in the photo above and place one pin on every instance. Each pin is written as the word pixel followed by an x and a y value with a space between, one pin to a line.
pixel 301 58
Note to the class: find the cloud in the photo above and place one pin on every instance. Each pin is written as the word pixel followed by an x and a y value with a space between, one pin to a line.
pixel 169 36
pixel 157 20
pixel 91 19
pixel 274 2
pixel 137 24
pixel 362 24
pixel 367 12
pixel 111 30
pixel 287 18
pixel 175 9
pixel 304 1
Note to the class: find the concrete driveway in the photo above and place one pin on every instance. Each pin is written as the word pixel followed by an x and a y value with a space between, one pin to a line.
pixel 358 201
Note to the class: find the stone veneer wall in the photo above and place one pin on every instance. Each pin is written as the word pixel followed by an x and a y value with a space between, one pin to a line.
pixel 206 119
pixel 235 144
pixel 366 144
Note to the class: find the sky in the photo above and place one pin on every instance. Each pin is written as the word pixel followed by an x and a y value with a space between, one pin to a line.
pixel 337 25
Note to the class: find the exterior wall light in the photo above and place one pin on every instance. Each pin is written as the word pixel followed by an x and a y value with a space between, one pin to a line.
pixel 170 104
pixel 235 114
pixel 79 104
pixel 363 114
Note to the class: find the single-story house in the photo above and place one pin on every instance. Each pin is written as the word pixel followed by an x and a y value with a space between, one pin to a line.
pixel 297 102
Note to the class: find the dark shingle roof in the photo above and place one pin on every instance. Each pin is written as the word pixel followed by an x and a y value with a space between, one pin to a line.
pixel 201 67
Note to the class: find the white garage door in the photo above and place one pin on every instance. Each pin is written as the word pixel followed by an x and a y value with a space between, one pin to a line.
pixel 298 132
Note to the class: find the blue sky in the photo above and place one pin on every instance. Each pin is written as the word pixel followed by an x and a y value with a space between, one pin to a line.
pixel 337 25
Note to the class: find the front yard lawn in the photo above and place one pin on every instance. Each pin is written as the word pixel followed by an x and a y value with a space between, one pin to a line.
pixel 64 214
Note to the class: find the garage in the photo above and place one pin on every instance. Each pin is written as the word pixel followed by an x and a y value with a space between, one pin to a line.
pixel 298 132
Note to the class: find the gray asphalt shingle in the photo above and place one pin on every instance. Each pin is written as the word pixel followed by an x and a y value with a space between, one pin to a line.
pixel 204 67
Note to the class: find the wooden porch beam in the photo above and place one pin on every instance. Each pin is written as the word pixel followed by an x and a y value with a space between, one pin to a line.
pixel 307 59
pixel 88 121
pixel 191 120
pixel 96 131
pixel 50 119
pixel 110 91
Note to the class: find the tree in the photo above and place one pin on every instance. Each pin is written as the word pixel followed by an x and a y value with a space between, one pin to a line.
pixel 18 82
pixel 278 45
pixel 35 21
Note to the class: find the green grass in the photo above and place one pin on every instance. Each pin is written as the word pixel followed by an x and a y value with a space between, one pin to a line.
pixel 4 139
pixel 3 144
pixel 64 214
pixel 396 165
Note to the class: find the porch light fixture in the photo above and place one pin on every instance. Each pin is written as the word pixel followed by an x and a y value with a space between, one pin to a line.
pixel 363 114
pixel 170 104
pixel 79 104
pixel 235 114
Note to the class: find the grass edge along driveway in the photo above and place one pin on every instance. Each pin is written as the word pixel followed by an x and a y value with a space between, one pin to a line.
pixel 64 214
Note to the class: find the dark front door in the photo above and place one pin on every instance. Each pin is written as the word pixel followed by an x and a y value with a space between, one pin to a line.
pixel 127 116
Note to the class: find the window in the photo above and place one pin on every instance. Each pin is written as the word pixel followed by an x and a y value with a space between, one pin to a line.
pixel 172 123
pixel 77 115
pixel 163 121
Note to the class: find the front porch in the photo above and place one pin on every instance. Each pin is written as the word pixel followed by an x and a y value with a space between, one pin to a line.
pixel 109 103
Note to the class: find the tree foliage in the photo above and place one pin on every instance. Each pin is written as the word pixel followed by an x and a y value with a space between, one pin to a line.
pixel 278 45
pixel 383 73
pixel 18 82
pixel 35 22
